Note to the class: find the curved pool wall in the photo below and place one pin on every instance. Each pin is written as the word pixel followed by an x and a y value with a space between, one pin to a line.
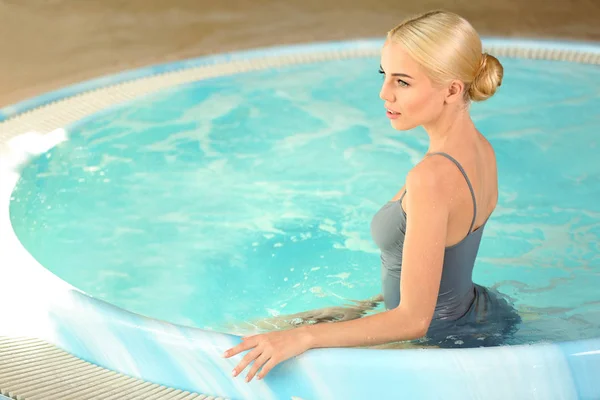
pixel 34 302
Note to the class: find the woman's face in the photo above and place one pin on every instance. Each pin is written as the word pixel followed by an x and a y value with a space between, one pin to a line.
pixel 409 96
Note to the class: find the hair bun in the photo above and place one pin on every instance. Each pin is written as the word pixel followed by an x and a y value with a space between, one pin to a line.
pixel 487 79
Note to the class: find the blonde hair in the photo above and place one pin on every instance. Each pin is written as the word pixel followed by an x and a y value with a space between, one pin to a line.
pixel 448 47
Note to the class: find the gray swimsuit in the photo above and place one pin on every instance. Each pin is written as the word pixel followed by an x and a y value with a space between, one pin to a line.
pixel 466 314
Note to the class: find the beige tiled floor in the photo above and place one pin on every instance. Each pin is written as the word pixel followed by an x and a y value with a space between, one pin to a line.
pixel 45 44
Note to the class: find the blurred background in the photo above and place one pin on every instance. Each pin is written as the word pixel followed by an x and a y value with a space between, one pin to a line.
pixel 46 44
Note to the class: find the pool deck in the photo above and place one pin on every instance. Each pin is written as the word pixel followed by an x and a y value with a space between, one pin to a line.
pixel 33 369
pixel 53 43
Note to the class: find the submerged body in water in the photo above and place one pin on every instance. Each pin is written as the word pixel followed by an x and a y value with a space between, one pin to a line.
pixel 489 321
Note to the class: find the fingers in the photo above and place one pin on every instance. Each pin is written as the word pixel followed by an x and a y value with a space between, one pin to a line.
pixel 245 345
pixel 246 360
pixel 261 354
pixel 256 366
pixel 268 367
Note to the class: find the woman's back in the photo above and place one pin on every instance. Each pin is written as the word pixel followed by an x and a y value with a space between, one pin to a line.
pixel 463 308
pixel 478 161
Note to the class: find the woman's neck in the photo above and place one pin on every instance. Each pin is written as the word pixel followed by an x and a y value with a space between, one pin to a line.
pixel 452 127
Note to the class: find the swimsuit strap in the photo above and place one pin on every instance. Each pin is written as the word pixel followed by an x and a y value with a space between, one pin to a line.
pixel 448 156
pixel 401 197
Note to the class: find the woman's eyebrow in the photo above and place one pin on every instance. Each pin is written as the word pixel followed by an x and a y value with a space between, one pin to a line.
pixel 398 74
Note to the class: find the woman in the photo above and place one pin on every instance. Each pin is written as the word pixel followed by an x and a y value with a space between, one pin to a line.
pixel 432 67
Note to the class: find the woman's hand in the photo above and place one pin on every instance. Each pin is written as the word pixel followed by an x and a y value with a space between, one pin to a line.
pixel 268 350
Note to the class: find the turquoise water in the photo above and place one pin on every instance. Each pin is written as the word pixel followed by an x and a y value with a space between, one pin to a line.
pixel 250 196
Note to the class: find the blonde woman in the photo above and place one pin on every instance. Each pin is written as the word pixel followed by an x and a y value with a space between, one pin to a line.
pixel 432 67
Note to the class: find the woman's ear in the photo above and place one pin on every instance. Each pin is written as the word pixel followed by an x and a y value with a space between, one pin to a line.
pixel 455 92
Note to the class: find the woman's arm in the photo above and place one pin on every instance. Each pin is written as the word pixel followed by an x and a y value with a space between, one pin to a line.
pixel 428 198
pixel 422 260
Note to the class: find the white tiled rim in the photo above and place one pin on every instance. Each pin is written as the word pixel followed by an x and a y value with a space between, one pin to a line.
pixel 31 367
pixel 57 114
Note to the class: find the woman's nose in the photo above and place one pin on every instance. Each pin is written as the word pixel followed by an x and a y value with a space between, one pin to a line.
pixel 386 94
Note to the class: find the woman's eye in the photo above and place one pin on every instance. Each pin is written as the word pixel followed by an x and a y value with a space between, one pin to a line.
pixel 399 81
